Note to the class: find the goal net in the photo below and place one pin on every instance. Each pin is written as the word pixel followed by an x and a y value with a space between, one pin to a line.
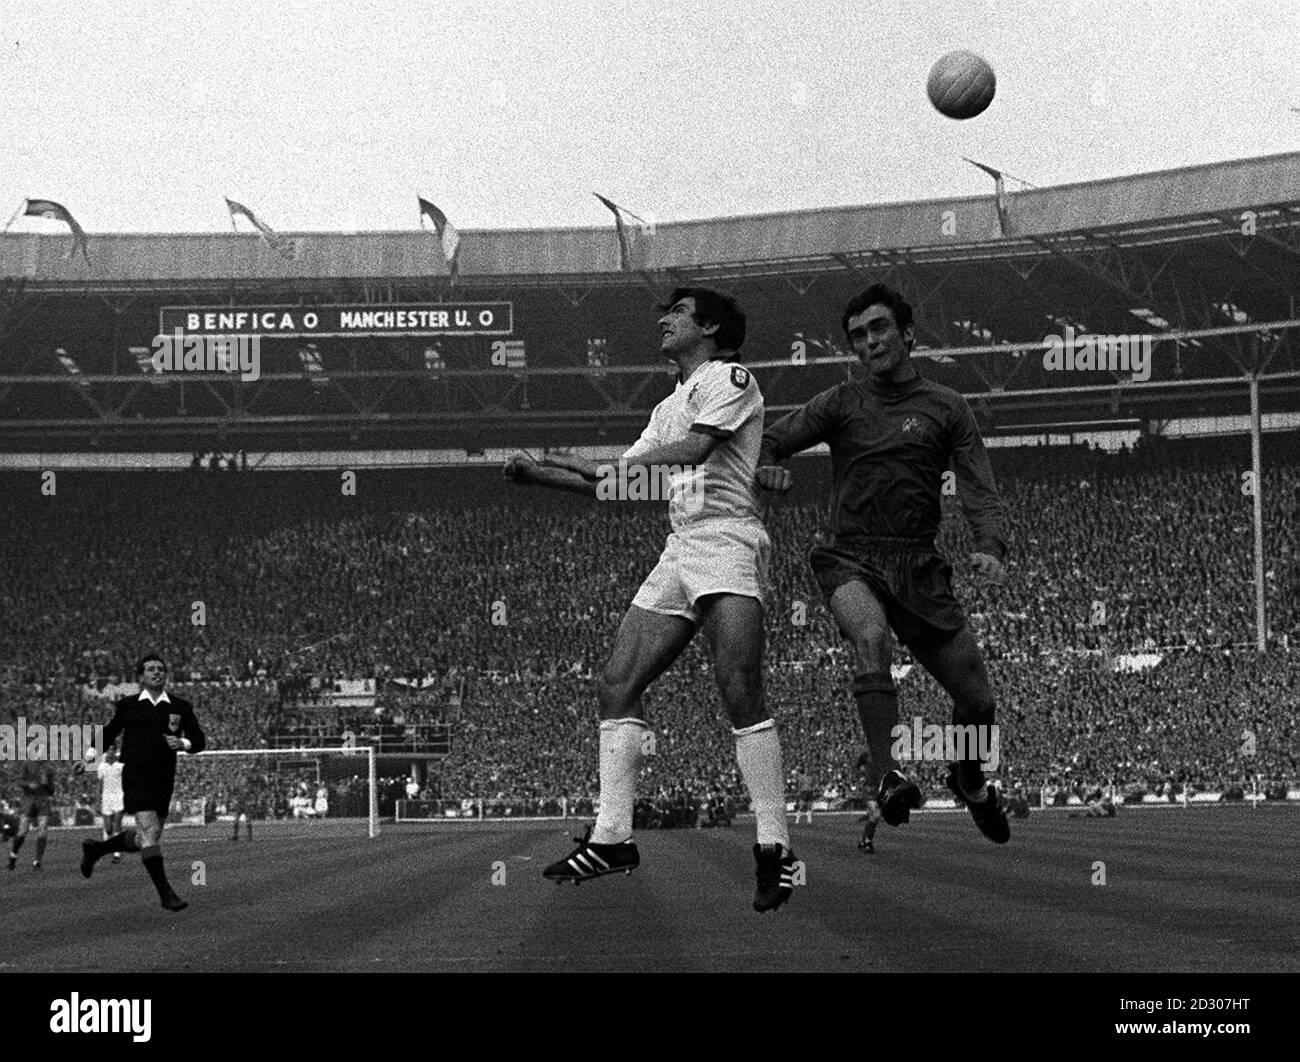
pixel 304 785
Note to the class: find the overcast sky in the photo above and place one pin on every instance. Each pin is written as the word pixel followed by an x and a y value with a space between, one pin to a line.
pixel 141 117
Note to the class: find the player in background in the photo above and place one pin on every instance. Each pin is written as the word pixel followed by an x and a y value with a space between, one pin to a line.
pixel 867 843
pixel 710 577
pixel 892 437
pixel 154 727
pixel 804 794
pixel 111 798
pixel 1097 804
pixel 37 784
pixel 245 803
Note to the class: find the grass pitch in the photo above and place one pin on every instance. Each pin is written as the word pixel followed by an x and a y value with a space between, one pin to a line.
pixel 1199 890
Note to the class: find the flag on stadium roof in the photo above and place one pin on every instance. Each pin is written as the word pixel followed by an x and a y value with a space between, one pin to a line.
pixel 1000 196
pixel 286 248
pixel 625 234
pixel 447 234
pixel 48 208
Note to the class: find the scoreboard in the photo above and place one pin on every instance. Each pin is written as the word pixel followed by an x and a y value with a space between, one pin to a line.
pixel 342 319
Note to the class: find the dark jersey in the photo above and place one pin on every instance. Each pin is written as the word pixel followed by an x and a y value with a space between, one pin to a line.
pixel 889 450
pixel 145 728
pixel 37 780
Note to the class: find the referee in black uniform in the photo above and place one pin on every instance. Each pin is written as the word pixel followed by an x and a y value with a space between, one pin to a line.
pixel 154 727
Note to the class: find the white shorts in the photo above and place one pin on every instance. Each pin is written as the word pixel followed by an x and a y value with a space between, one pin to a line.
pixel 710 557
pixel 113 807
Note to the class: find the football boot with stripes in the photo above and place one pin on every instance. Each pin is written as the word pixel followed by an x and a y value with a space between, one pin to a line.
pixel 590 860
pixel 775 873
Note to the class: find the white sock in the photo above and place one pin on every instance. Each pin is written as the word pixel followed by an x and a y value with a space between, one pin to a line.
pixel 758 751
pixel 620 763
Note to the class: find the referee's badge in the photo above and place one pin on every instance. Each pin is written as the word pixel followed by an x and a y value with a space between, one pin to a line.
pixel 173 722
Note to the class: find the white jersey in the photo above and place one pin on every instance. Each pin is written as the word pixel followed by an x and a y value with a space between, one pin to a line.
pixel 110 774
pixel 722 399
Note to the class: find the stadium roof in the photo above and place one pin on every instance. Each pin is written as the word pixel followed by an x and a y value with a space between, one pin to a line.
pixel 1139 209
pixel 1203 260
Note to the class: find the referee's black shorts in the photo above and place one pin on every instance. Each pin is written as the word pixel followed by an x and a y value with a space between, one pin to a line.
pixel 144 789
pixel 912 582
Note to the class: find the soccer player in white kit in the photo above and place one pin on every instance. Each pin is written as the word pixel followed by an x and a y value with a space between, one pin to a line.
pixel 703 441
pixel 111 797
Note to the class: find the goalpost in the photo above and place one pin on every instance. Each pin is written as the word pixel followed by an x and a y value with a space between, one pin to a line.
pixel 270 764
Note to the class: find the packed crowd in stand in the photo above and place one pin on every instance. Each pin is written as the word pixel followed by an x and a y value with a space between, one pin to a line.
pixel 510 602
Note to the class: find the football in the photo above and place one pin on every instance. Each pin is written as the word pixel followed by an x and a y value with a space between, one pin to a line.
pixel 961 85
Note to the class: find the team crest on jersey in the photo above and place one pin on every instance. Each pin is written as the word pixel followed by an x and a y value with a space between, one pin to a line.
pixel 913 428
pixel 173 722
pixel 740 376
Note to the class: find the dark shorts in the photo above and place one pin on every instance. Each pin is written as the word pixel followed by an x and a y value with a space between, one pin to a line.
pixel 146 790
pixel 36 807
pixel 911 581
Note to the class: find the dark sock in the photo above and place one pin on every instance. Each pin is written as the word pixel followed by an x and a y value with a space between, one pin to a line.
pixel 969 775
pixel 969 771
pixel 877 699
pixel 16 843
pixel 153 863
pixel 40 848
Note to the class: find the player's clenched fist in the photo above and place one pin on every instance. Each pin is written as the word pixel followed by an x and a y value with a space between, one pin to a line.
pixel 520 468
pixel 774 477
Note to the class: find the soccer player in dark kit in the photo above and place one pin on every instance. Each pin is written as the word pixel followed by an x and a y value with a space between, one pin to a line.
pixel 154 727
pixel 34 809
pixel 892 437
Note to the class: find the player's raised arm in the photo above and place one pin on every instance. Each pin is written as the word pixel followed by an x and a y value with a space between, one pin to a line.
pixel 978 494
pixel 807 426
pixel 572 463
pixel 693 448
pixel 526 471
pixel 723 399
